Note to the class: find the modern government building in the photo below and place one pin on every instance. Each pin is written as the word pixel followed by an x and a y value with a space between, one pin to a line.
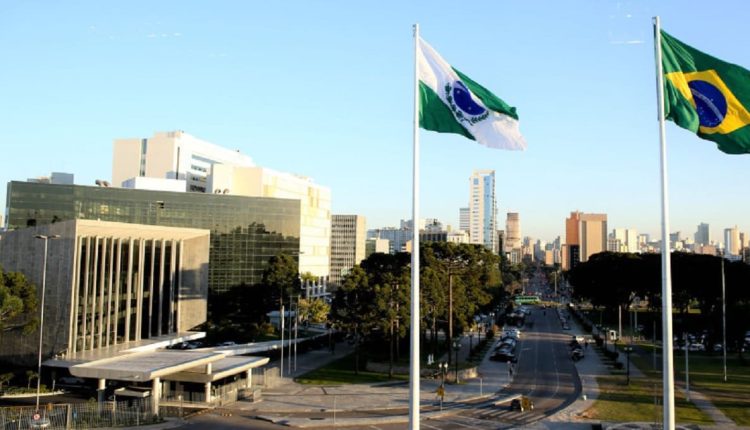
pixel 130 267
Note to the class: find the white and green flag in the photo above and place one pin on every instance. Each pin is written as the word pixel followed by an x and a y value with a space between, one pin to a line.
pixel 450 102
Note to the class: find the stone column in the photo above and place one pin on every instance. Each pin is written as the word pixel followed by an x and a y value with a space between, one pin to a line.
pixel 155 395
pixel 249 378
pixel 100 390
pixel 208 392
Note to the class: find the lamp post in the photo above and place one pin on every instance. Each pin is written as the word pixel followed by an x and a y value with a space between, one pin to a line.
pixel 456 347
pixel 46 238
pixel 628 350
pixel 443 372
pixel 471 337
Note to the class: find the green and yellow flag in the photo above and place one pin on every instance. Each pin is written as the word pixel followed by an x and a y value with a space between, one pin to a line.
pixel 707 96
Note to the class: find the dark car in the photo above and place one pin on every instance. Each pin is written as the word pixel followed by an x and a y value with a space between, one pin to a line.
pixel 504 356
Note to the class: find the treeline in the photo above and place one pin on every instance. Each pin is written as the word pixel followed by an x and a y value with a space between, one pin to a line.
pixel 373 303
pixel 613 279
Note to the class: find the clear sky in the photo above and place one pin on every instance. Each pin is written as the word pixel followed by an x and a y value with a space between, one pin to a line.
pixel 325 89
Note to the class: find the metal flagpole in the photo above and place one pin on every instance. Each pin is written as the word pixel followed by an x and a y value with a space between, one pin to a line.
pixel 666 269
pixel 724 318
pixel 414 350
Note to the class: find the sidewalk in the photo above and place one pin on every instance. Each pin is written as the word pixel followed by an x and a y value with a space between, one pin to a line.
pixel 280 404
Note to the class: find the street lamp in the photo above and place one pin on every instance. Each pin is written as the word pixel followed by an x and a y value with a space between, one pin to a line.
pixel 456 347
pixel 41 316
pixel 471 337
pixel 628 350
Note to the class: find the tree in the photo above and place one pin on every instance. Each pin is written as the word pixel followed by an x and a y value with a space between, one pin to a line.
pixel 18 302
pixel 314 310
pixel 352 308
pixel 4 379
pixel 280 280
pixel 30 376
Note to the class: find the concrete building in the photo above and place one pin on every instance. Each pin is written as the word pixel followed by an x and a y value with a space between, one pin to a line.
pixel 374 245
pixel 463 219
pixel 116 295
pixel 702 235
pixel 732 244
pixel 245 231
pixel 513 231
pixel 347 245
pixel 169 161
pixel 171 155
pixel 623 240
pixel 585 235
pixel 483 209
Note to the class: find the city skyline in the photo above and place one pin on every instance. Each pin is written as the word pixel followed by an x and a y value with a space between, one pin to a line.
pixel 293 91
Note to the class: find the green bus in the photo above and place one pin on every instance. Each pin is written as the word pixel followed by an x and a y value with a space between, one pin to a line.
pixel 527 300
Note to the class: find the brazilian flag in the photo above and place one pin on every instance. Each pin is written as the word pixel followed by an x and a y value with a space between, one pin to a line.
pixel 707 96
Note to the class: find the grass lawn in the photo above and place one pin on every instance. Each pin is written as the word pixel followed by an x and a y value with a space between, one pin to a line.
pixel 636 402
pixel 706 376
pixel 341 371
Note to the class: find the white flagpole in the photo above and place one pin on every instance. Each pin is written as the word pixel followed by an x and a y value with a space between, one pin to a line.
pixel 724 318
pixel 414 350
pixel 666 269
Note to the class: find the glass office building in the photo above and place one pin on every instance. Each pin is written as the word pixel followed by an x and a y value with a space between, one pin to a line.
pixel 245 231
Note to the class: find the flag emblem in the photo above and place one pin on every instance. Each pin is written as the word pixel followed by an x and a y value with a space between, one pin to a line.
pixel 718 109
pixel 451 102
pixel 462 103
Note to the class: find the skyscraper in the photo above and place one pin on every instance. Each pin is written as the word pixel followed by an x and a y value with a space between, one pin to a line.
pixel 512 231
pixel 483 209
pixel 585 235
pixel 463 219
pixel 702 236
pixel 732 244
pixel 347 244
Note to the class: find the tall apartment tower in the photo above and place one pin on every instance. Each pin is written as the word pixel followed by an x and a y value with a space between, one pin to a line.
pixel 585 235
pixel 348 234
pixel 701 235
pixel 463 219
pixel 483 209
pixel 732 244
pixel 512 231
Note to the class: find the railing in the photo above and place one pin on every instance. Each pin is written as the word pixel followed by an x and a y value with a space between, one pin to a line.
pixel 79 415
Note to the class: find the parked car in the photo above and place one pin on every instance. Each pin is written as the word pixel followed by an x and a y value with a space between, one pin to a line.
pixel 504 356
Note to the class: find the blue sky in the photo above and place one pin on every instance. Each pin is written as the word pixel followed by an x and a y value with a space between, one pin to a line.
pixel 324 89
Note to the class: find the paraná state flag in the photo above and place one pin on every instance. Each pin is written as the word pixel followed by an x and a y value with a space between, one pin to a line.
pixel 450 102
pixel 705 95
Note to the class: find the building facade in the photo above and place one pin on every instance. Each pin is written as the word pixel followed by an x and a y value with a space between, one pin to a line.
pixel 347 245
pixel 171 155
pixel 702 235
pixel 732 244
pixel 108 283
pixel 483 209
pixel 512 231
pixel 171 161
pixel 245 231
pixel 585 235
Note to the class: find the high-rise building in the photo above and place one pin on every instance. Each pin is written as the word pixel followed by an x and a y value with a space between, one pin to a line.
pixel 173 161
pixel 463 219
pixel 347 245
pixel 585 235
pixel 732 246
pixel 483 209
pixel 702 236
pixel 513 231
pixel 245 231
pixel 624 240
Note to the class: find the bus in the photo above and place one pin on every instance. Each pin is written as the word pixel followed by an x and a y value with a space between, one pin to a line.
pixel 527 300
